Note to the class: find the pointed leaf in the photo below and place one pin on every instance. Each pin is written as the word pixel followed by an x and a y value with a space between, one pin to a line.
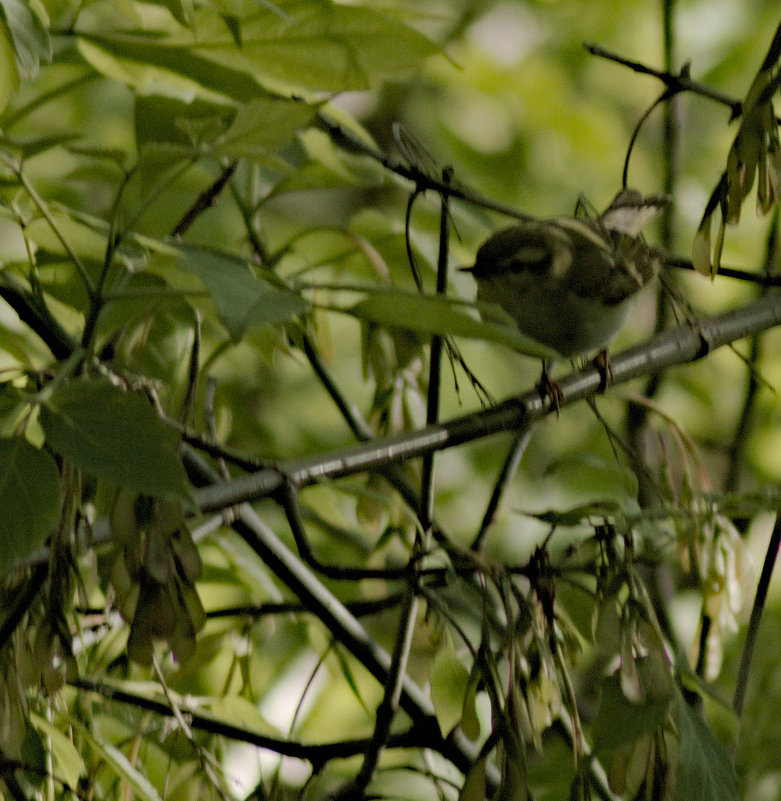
pixel 9 74
pixel 29 498
pixel 115 436
pixel 68 764
pixel 705 770
pixel 242 299
pixel 438 315
pixel 619 721
pixel 30 37
pixel 449 684
pixel 115 760
pixel 264 125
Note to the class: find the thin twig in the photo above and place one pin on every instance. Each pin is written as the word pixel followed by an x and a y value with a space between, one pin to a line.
pixel 426 510
pixel 23 601
pixel 287 495
pixel 509 467
pixel 386 711
pixel 752 632
pixel 206 760
pixel 204 201
pixel 740 438
pixel 676 82
pixel 422 179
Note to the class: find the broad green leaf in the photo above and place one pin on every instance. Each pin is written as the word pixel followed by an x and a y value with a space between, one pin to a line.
pixel 29 497
pixel 619 721
pixel 449 684
pixel 68 764
pixel 150 67
pixel 242 299
pixel 438 315
pixel 264 125
pixel 115 760
pixel 316 45
pixel 115 436
pixel 311 45
pixel 9 74
pixel 705 770
pixel 30 37
pixel 330 167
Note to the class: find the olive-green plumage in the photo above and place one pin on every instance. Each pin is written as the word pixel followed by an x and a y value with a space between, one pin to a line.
pixel 569 284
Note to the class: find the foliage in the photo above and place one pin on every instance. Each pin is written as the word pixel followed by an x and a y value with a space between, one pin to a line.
pixel 232 521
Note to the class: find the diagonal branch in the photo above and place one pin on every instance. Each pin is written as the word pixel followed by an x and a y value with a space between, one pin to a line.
pixel 679 345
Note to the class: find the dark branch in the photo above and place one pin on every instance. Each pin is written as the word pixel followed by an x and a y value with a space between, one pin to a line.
pixel 679 345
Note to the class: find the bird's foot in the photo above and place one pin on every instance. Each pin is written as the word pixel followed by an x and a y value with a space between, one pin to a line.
pixel 602 363
pixel 549 390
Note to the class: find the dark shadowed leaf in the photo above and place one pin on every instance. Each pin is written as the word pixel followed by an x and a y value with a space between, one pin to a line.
pixel 115 436
pixel 438 315
pixel 619 721
pixel 705 770
pixel 242 299
pixel 29 497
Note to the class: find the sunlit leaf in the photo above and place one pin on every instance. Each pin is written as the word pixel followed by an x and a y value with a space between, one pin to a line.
pixel 117 762
pixel 29 497
pixel 9 73
pixel 318 45
pixel 264 124
pixel 449 683
pixel 68 763
pixel 115 436
pixel 30 37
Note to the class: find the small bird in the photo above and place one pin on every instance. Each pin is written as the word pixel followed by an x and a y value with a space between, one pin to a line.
pixel 570 283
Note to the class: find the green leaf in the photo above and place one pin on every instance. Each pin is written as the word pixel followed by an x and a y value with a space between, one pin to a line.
pixel 115 436
pixel 475 786
pixel 577 514
pixel 311 45
pixel 705 770
pixel 330 166
pixel 619 721
pixel 264 125
pixel 115 760
pixel 30 37
pixel 242 299
pixel 150 67
pixel 438 315
pixel 68 764
pixel 317 45
pixel 9 74
pixel 29 497
pixel 449 684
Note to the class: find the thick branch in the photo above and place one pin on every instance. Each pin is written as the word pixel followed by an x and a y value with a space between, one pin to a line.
pixel 677 346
